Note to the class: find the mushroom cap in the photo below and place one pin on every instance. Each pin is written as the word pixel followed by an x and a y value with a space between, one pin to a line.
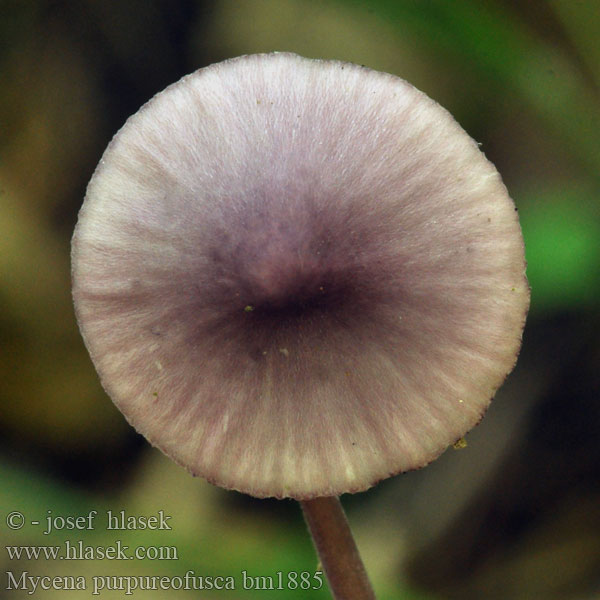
pixel 298 277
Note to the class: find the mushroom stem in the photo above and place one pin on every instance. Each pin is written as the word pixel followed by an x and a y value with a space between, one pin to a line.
pixel 337 549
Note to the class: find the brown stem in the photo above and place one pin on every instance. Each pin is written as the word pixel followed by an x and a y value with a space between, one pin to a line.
pixel 337 550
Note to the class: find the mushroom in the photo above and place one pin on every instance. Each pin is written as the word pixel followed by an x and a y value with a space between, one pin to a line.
pixel 298 277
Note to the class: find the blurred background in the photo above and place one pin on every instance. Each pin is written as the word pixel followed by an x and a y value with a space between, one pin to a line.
pixel 515 514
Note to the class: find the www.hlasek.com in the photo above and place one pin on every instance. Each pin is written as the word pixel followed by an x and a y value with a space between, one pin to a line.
pixel 130 584
pixel 79 551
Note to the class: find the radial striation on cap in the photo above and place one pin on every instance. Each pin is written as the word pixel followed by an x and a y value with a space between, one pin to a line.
pixel 298 277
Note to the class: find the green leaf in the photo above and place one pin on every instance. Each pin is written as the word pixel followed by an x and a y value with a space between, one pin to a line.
pixel 562 241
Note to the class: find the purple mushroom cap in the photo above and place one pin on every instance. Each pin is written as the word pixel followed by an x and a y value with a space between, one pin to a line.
pixel 298 277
